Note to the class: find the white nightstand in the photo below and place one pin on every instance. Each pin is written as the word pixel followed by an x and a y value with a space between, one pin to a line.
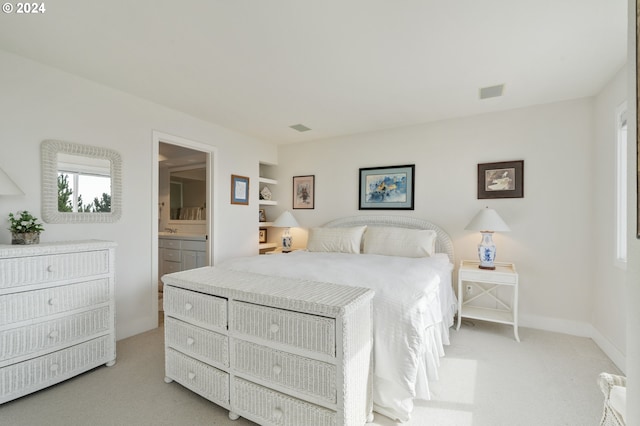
pixel 484 283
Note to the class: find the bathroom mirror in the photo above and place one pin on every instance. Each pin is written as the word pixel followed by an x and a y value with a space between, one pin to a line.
pixel 188 193
pixel 80 183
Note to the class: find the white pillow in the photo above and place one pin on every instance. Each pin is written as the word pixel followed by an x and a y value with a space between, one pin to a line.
pixel 340 240
pixel 403 242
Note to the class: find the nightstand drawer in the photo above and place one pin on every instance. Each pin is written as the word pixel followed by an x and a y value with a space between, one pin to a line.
pixel 487 276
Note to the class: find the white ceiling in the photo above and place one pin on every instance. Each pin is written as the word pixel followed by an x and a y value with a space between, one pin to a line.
pixel 337 66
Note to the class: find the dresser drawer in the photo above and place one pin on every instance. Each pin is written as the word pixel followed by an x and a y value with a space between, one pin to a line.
pixel 28 376
pixel 197 376
pixel 300 374
pixel 52 334
pixel 36 304
pixel 15 272
pixel 314 333
pixel 170 243
pixel 272 407
pixel 205 345
pixel 169 267
pixel 172 255
pixel 209 311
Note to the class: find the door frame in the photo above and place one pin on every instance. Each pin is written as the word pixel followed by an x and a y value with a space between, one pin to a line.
pixel 211 200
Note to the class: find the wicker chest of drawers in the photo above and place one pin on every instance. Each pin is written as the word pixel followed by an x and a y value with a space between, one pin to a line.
pixel 273 350
pixel 57 314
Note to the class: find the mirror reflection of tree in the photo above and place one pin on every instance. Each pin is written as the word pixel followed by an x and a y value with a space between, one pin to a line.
pixel 65 199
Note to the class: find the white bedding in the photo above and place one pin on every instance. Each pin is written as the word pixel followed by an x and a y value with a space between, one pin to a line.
pixel 413 308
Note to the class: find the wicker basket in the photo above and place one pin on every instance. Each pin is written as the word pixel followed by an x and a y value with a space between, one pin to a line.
pixel 25 238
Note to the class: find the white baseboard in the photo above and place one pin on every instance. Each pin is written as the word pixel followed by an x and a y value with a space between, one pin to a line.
pixel 618 358
pixel 576 328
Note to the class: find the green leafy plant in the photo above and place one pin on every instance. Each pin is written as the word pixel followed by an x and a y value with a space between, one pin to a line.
pixel 24 223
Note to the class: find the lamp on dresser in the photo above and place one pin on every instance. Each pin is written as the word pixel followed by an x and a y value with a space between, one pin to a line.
pixel 286 221
pixel 487 221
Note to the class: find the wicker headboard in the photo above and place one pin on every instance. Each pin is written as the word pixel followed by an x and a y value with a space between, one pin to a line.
pixel 443 241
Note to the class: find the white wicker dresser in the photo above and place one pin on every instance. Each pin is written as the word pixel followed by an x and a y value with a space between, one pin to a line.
pixel 276 351
pixel 57 316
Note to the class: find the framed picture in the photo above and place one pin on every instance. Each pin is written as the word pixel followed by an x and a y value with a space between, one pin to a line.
pixel 239 190
pixel 387 188
pixel 262 215
pixel 262 235
pixel 501 180
pixel 304 192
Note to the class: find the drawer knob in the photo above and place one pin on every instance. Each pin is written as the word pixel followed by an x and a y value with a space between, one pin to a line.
pixel 52 301
pixel 51 268
pixel 274 328
pixel 188 306
pixel 190 341
pixel 277 414
pixel 53 368
pixel 191 375
pixel 277 369
pixel 53 334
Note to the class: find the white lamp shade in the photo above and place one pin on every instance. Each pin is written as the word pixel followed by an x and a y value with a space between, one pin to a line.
pixel 7 186
pixel 487 220
pixel 286 220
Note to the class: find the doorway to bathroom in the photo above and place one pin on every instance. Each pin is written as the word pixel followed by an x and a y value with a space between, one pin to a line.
pixel 183 220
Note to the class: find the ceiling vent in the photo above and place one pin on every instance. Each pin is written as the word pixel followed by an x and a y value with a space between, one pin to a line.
pixel 300 127
pixel 491 91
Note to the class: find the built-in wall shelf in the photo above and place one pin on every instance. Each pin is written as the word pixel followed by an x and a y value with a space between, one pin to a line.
pixel 266 246
pixel 267 180
pixel 266 176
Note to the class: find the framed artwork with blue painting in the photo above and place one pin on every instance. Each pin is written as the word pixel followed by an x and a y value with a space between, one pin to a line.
pixel 387 188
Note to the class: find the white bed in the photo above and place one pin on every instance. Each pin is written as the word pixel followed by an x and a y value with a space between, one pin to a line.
pixel 414 303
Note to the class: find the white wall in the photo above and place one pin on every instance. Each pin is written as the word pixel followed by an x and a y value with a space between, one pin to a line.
pixel 609 315
pixel 551 239
pixel 633 246
pixel 39 103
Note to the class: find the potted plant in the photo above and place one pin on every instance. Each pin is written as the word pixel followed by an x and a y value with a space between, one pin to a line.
pixel 25 228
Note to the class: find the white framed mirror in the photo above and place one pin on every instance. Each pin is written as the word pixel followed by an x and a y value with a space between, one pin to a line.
pixel 80 183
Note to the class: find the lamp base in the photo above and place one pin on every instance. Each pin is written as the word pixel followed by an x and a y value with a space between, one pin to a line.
pixel 491 268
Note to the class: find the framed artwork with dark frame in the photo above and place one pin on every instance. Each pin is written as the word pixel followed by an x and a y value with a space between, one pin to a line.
pixel 304 192
pixel 504 179
pixel 262 235
pixel 387 188
pixel 239 190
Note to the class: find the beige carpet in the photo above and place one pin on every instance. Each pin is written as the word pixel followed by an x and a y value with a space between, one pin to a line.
pixel 486 379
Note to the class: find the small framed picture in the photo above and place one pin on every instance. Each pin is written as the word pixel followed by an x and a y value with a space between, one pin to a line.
pixel 262 216
pixel 262 235
pixel 304 192
pixel 387 188
pixel 239 190
pixel 504 179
